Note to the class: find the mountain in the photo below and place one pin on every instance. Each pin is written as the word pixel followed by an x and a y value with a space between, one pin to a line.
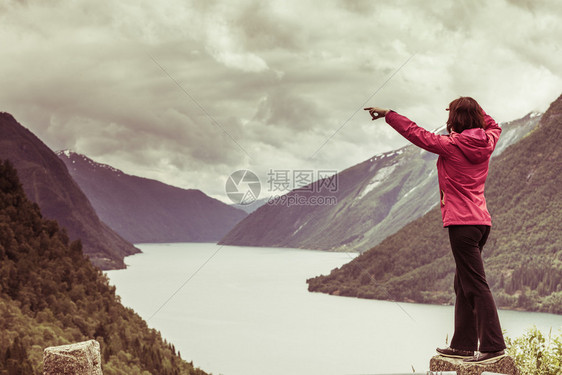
pixel 373 200
pixel 46 181
pixel 50 295
pixel 523 255
pixel 145 210
pixel 249 208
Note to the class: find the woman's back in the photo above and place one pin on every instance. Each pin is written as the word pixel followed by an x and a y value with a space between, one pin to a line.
pixel 462 165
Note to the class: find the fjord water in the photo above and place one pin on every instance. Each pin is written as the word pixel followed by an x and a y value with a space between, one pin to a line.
pixel 246 310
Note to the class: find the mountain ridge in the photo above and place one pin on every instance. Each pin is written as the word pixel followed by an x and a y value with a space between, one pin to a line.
pixel 144 210
pixel 47 182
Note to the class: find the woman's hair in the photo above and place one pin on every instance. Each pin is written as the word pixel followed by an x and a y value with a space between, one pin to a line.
pixel 464 113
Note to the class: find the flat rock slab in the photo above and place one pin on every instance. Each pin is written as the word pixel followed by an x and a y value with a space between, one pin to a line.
pixel 82 358
pixel 505 365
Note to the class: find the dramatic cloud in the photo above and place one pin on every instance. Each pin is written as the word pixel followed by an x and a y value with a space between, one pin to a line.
pixel 189 91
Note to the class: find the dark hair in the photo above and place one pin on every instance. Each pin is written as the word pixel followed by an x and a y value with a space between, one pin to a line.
pixel 464 113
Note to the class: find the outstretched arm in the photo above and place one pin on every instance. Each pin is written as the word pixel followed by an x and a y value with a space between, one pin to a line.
pixel 410 130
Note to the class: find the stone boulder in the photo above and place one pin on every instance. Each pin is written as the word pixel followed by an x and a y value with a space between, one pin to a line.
pixel 81 358
pixel 505 365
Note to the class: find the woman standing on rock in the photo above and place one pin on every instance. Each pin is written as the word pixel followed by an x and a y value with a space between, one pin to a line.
pixel 462 168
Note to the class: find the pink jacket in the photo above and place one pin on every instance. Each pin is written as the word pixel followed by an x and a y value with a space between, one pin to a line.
pixel 462 167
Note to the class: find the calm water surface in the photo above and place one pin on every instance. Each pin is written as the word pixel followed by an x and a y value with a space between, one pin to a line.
pixel 247 311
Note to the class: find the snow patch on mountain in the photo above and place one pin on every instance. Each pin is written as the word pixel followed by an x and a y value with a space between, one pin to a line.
pixel 299 228
pixel 379 177
pixel 73 156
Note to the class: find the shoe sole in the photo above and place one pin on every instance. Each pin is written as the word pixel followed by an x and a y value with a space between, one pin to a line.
pixel 489 360
pixel 455 356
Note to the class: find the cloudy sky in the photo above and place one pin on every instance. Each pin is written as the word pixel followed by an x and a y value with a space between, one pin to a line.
pixel 188 92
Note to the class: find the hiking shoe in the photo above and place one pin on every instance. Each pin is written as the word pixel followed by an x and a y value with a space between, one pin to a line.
pixel 455 353
pixel 486 357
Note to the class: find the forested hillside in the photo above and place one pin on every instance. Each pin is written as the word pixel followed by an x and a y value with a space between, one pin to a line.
pixel 524 252
pixel 50 294
pixel 46 181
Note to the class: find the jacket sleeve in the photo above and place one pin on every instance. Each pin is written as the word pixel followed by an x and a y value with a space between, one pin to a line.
pixel 417 135
pixel 492 129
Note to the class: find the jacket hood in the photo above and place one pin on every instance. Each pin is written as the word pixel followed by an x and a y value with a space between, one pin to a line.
pixel 474 145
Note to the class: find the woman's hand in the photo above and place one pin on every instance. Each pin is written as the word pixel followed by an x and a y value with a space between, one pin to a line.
pixel 376 112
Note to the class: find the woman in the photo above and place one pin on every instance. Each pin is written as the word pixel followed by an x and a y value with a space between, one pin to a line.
pixel 462 168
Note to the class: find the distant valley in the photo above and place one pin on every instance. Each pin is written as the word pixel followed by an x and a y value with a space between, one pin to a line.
pixel 144 210
pixel 105 208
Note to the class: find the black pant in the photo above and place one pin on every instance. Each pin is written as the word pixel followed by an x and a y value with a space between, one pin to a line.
pixel 476 317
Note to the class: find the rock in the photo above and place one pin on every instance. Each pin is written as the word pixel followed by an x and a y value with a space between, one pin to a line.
pixel 81 358
pixel 505 365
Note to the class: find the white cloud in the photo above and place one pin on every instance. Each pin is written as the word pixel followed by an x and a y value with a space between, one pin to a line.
pixel 273 80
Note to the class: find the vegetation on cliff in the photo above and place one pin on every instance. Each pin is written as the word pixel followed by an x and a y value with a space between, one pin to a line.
pixel 536 353
pixel 50 294
pixel 47 182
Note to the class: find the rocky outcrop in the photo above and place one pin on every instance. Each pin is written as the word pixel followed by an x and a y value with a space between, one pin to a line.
pixel 505 365
pixel 81 358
